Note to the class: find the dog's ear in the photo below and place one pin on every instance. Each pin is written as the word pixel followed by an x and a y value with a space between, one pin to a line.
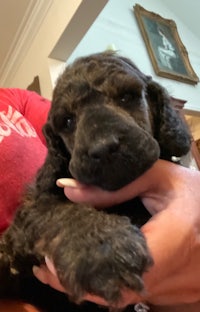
pixel 53 140
pixel 133 67
pixel 169 129
pixel 57 150
pixel 56 164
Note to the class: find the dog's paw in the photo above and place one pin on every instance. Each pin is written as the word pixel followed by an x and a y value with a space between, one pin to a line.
pixel 99 254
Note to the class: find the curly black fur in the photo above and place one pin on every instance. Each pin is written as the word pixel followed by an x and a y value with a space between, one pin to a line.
pixel 108 124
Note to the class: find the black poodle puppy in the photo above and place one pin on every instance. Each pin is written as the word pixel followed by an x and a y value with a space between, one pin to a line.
pixel 107 125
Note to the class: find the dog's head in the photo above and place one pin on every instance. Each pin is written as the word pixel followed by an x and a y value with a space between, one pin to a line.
pixel 113 121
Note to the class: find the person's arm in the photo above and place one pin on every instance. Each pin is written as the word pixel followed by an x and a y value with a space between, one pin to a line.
pixel 31 105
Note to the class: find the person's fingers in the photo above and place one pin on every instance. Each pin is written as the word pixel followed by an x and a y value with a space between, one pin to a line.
pixel 75 191
pixel 97 197
pixel 40 273
pixel 88 194
pixel 126 294
pixel 16 306
pixel 71 183
pixel 50 266
pixel 44 275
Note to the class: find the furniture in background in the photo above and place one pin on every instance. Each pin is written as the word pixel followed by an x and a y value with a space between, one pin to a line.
pixel 35 85
pixel 192 159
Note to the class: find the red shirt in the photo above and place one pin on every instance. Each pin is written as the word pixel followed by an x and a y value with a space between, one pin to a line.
pixel 22 146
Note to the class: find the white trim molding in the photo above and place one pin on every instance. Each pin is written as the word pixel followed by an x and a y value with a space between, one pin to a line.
pixel 82 20
pixel 25 34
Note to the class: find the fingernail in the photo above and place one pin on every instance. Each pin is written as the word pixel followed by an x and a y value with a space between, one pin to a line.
pixel 66 182
pixel 35 269
pixel 50 266
pixel 39 274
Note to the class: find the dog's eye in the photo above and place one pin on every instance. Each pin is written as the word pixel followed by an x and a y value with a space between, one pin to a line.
pixel 127 98
pixel 64 122
pixel 70 122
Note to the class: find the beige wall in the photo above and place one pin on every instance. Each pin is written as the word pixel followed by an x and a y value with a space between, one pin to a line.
pixel 36 61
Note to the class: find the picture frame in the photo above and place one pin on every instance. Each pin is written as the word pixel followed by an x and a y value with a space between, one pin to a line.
pixel 168 54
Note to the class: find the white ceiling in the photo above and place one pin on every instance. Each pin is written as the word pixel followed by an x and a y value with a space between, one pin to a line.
pixel 14 15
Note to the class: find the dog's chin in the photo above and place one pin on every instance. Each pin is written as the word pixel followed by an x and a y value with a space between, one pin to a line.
pixel 106 183
pixel 113 185
pixel 112 177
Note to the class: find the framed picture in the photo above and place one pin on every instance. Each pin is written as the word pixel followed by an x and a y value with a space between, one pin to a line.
pixel 166 50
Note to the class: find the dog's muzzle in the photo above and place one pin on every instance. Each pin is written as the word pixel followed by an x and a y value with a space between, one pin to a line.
pixel 110 149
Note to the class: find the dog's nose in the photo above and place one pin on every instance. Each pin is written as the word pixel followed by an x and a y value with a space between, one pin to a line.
pixel 103 148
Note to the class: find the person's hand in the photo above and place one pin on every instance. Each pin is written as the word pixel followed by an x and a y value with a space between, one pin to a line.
pixel 47 275
pixel 95 196
pixel 171 193
pixel 174 278
pixel 17 306
pixel 173 239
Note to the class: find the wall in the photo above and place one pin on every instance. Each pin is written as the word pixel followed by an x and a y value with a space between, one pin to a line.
pixel 117 25
pixel 36 61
